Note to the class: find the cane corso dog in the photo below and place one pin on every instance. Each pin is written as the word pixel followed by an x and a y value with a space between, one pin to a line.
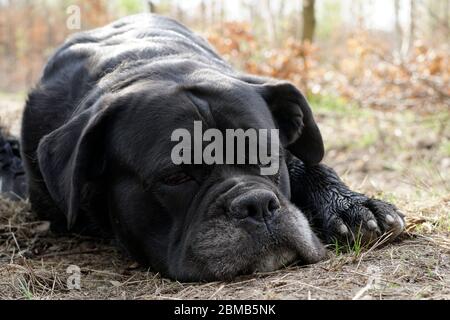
pixel 96 147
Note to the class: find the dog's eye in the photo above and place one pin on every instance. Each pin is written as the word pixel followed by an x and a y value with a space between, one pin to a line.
pixel 176 179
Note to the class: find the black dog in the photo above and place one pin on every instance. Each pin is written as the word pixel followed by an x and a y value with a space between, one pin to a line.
pixel 12 176
pixel 96 149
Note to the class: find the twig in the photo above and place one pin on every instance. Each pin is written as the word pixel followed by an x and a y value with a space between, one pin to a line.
pixel 69 253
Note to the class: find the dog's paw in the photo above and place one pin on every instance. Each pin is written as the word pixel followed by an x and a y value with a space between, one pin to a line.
pixel 338 213
pixel 353 217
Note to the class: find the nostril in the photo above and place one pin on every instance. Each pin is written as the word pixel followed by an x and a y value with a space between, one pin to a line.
pixel 256 204
pixel 273 205
pixel 252 211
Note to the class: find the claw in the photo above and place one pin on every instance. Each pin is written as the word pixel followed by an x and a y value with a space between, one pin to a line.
pixel 402 224
pixel 343 229
pixel 390 219
pixel 372 224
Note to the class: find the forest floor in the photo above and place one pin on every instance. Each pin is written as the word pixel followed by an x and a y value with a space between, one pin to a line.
pixel 399 156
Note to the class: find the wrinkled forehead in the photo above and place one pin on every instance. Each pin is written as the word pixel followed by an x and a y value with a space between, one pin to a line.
pixel 228 103
pixel 145 127
pixel 151 116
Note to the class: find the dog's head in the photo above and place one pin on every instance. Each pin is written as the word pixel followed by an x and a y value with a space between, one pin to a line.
pixel 188 221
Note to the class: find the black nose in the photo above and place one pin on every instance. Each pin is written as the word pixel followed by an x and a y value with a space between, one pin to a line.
pixel 259 204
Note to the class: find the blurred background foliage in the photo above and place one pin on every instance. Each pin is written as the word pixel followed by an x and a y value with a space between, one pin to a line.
pixel 384 54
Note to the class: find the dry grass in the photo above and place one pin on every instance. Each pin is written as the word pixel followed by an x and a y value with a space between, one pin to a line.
pixel 401 157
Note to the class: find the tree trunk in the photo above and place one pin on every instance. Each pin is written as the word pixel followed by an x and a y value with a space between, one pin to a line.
pixel 203 15
pixel 221 12
pixel 271 24
pixel 398 27
pixel 309 20
pixel 447 19
pixel 412 24
pixel 151 6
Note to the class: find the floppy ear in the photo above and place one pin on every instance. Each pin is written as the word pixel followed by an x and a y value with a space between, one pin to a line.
pixel 294 117
pixel 71 156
